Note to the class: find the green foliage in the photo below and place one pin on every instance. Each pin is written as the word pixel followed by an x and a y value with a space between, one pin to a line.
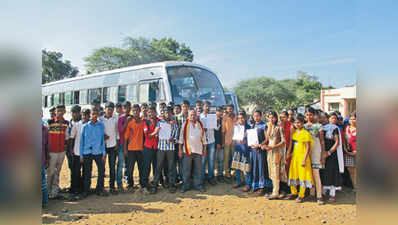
pixel 54 68
pixel 268 93
pixel 136 51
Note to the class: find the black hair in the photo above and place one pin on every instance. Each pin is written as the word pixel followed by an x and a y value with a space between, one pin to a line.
pixel 354 114
pixel 163 104
pixel 191 108
pixel 186 102
pixel 300 117
pixel 169 108
pixel 198 102
pixel 152 108
pixel 60 106
pixel 144 105
pixel 284 112
pixel 94 109
pixel 274 114
pixel 126 103
pixel 86 111
pixel 334 114
pixel 118 105
pixel 177 105
pixel 258 111
pixel 231 106
pixel 52 109
pixel 242 113
pixel 310 110
pixel 207 103
pixel 76 108
pixel 110 104
pixel 136 106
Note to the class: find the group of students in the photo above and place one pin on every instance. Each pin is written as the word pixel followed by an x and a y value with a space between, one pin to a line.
pixel 293 150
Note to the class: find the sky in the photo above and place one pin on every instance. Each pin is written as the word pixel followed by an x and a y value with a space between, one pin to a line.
pixel 237 40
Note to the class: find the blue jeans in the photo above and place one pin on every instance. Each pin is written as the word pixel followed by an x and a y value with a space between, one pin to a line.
pixel 120 165
pixel 44 190
pixel 248 178
pixel 209 158
pixel 220 162
pixel 192 166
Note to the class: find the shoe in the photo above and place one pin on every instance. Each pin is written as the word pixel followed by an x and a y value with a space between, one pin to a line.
pixel 260 192
pixel 172 189
pixel 273 197
pixel 202 190
pixel 183 190
pixel 212 181
pixel 246 189
pixel 290 197
pixel 220 179
pixel 236 186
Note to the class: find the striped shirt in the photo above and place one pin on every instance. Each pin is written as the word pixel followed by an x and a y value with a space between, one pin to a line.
pixel 164 144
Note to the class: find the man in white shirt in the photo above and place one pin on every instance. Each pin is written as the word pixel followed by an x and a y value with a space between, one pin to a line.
pixel 192 147
pixel 111 141
pixel 75 134
pixel 211 149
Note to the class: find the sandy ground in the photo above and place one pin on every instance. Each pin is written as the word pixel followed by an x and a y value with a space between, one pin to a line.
pixel 219 205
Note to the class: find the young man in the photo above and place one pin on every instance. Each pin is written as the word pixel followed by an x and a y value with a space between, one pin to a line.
pixel 219 145
pixel 177 109
pixel 228 132
pixel 165 152
pixel 111 141
pixel 192 147
pixel 92 147
pixel 97 104
pixel 150 146
pixel 198 107
pixel 211 149
pixel 182 116
pixel 53 115
pixel 44 163
pixel 144 111
pixel 74 148
pixel 57 141
pixel 119 109
pixel 122 124
pixel 76 117
pixel 133 146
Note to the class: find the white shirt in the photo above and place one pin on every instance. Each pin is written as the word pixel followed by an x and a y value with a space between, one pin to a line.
pixel 209 132
pixel 194 138
pixel 76 133
pixel 111 130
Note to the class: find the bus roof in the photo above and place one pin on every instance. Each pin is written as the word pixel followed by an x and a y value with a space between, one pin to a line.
pixel 124 69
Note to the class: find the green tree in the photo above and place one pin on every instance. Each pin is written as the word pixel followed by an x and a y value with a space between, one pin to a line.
pixel 54 68
pixel 268 93
pixel 136 51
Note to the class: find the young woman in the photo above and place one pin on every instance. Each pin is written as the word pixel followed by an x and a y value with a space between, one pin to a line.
pixel 275 154
pixel 288 130
pixel 300 172
pixel 351 148
pixel 331 176
pixel 257 156
pixel 241 154
pixel 317 151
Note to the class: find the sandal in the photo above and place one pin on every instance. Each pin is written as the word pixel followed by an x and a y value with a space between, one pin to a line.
pixel 236 186
pixel 272 197
pixel 290 197
pixel 299 200
pixel 282 196
pixel 246 189
pixel 332 200
pixel 320 201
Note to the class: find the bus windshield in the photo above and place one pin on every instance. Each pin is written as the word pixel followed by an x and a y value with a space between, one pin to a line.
pixel 193 83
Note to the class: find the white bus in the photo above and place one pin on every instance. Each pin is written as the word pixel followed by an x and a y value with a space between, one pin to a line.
pixel 169 81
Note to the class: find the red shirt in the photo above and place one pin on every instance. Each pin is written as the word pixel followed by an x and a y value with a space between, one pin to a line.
pixel 57 135
pixel 150 142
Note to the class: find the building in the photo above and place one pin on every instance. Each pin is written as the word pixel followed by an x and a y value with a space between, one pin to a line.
pixel 342 99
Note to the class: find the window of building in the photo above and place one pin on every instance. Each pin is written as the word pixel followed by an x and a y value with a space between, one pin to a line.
pixel 334 107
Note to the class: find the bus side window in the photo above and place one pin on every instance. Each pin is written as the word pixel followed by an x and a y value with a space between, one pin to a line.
pixel 62 98
pixel 151 92
pixel 94 94
pixel 121 94
pixel 51 100
pixel 76 97
pixel 113 94
pixel 68 98
pixel 45 101
pixel 83 97
pixel 56 99
pixel 132 93
pixel 105 94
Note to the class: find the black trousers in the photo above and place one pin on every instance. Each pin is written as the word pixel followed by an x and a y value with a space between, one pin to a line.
pixel 77 175
pixel 112 155
pixel 165 157
pixel 132 158
pixel 149 158
pixel 87 169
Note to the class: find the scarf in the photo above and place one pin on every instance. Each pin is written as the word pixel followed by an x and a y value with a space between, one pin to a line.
pixel 329 128
pixel 188 150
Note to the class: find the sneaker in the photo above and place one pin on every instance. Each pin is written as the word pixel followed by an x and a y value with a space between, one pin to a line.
pixel 212 181
pixel 173 189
